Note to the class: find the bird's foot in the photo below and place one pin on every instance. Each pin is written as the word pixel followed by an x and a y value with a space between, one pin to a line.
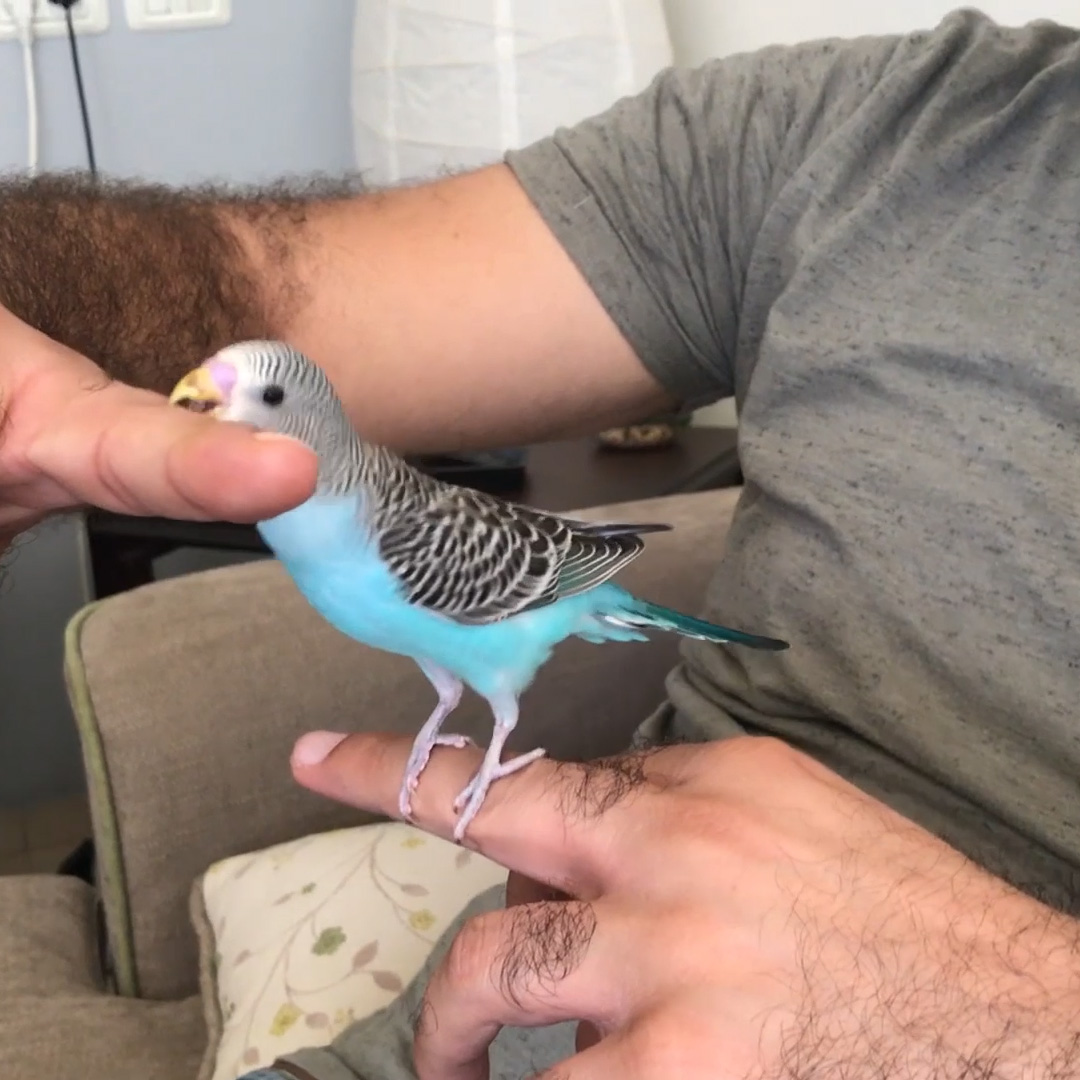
pixel 473 794
pixel 418 759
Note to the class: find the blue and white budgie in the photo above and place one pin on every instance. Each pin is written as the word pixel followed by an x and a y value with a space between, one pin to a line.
pixel 476 590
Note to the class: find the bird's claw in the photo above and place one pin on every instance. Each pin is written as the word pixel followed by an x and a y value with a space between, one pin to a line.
pixel 474 793
pixel 418 761
pixel 458 742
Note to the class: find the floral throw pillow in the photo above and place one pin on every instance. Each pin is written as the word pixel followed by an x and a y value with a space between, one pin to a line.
pixel 301 939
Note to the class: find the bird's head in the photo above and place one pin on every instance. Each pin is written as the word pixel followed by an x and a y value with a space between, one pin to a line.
pixel 274 388
pixel 267 384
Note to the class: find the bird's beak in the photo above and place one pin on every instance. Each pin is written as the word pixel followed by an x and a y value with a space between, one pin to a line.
pixel 199 391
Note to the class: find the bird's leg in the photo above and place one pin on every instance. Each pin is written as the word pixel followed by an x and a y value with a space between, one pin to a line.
pixel 449 688
pixel 505 710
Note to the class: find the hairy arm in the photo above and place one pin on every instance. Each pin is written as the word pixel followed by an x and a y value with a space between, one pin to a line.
pixel 593 278
pixel 447 314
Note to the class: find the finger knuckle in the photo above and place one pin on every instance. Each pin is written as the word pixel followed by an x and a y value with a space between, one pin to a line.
pixel 474 952
pixel 588 790
pixel 107 458
pixel 763 752
pixel 725 834
pixel 545 943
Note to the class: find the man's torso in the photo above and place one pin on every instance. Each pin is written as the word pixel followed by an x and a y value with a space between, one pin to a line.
pixel 907 366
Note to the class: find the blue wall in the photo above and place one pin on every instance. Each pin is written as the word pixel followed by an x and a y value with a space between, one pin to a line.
pixel 264 96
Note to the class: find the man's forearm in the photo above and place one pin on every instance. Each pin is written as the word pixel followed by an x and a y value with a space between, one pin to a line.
pixel 447 314
pixel 141 279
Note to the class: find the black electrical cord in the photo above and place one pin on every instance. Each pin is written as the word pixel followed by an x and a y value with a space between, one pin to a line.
pixel 67 5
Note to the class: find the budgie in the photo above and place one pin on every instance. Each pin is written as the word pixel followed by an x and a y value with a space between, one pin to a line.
pixel 476 590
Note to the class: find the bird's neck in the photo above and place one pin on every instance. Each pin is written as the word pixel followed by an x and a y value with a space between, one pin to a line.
pixel 343 456
pixel 340 463
pixel 352 466
pixel 356 479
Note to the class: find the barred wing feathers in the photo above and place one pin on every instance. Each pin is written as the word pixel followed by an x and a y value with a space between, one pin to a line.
pixel 478 559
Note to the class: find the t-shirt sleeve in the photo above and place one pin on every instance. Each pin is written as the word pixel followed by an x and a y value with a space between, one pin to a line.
pixel 659 199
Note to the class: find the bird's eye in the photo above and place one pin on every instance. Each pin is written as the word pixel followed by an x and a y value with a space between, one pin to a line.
pixel 273 395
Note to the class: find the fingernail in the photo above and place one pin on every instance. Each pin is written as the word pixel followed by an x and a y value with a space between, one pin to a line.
pixel 315 747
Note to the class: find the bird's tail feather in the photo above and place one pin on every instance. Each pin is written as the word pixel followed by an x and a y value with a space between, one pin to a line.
pixel 610 529
pixel 642 613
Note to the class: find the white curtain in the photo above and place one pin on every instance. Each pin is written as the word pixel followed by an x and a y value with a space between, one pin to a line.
pixel 450 84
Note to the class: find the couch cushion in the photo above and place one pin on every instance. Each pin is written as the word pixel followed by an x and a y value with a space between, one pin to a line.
pixel 79 1036
pixel 56 1020
pixel 301 939
pixel 48 936
pixel 189 693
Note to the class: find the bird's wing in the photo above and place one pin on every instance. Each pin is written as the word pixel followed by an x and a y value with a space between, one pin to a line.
pixel 478 559
pixel 598 552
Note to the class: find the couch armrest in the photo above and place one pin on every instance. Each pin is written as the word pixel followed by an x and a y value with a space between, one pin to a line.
pixel 48 937
pixel 57 1019
pixel 189 693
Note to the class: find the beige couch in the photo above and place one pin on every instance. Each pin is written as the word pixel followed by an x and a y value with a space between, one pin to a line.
pixel 189 694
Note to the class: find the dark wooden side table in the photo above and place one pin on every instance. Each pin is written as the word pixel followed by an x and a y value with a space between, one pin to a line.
pixel 560 476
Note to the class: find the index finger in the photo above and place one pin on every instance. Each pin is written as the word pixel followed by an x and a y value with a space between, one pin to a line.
pixel 557 822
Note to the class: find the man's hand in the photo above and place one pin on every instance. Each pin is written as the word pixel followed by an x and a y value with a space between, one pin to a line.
pixel 70 437
pixel 732 910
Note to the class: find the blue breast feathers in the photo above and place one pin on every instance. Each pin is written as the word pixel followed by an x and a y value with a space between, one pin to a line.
pixel 329 553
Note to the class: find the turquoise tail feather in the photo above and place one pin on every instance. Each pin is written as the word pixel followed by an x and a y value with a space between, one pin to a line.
pixel 642 613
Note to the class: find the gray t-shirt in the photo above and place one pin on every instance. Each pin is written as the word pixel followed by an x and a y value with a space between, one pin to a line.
pixel 875 246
